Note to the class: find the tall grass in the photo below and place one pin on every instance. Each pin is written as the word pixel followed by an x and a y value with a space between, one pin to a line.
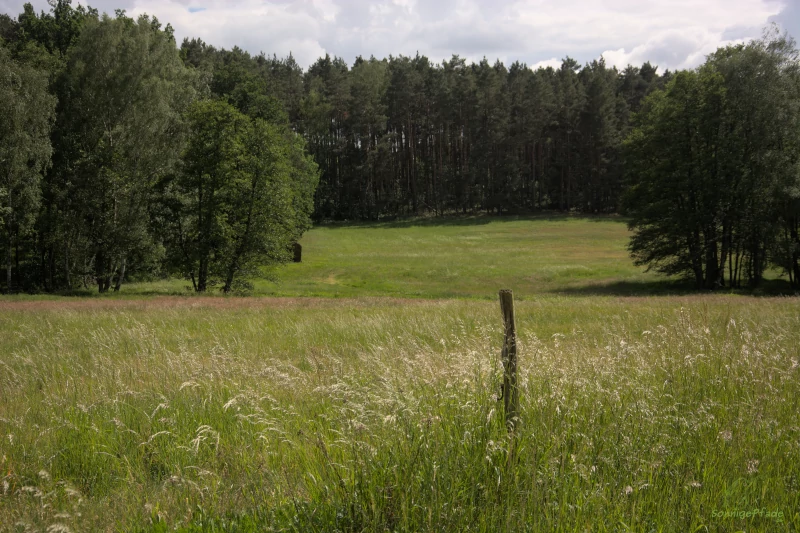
pixel 636 415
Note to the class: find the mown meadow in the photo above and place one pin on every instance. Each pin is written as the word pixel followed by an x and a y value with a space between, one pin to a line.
pixel 643 407
pixel 459 257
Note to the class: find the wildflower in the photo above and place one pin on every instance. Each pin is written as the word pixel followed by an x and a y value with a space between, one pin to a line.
pixel 726 435
pixel 628 490
pixel 752 466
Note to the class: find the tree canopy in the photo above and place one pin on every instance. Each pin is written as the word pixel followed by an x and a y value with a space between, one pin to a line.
pixel 241 198
pixel 119 132
pixel 105 190
pixel 28 110
pixel 712 163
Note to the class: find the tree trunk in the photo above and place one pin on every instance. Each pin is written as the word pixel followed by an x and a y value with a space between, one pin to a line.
pixel 795 258
pixel 9 285
pixel 696 258
pixel 202 275
pixel 18 272
pixel 229 280
pixel 42 265
pixel 102 273
pixel 726 246
pixel 712 263
pixel 121 275
pixel 66 267
pixel 757 269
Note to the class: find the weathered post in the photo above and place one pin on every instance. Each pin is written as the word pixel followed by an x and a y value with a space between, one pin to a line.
pixel 509 358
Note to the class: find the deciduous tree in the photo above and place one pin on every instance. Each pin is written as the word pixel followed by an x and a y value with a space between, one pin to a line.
pixel 27 111
pixel 243 196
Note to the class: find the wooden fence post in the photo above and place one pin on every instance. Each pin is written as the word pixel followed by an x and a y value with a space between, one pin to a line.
pixel 509 357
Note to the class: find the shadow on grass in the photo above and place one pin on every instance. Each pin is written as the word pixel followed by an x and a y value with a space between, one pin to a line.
pixel 127 292
pixel 772 287
pixel 467 220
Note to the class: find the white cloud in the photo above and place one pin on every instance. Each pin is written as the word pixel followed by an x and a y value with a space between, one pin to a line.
pixel 553 62
pixel 256 26
pixel 671 49
pixel 672 34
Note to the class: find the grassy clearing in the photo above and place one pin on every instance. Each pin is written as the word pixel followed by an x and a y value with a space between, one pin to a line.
pixel 468 257
pixel 640 414
pixel 461 257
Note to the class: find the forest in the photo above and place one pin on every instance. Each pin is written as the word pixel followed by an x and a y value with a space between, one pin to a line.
pixel 124 155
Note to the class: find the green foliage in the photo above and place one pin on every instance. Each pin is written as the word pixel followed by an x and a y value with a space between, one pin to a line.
pixel 460 137
pixel 57 31
pixel 123 91
pixel 242 197
pixel 712 163
pixel 8 29
pixel 28 111
pixel 131 77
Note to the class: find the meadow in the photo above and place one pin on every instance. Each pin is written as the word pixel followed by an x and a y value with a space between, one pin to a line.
pixel 375 408
pixel 460 257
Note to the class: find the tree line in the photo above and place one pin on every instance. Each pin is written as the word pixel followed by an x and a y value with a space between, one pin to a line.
pixel 405 136
pixel 117 160
pixel 132 156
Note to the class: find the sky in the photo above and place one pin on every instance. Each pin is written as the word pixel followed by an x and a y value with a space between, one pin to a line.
pixel 672 34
